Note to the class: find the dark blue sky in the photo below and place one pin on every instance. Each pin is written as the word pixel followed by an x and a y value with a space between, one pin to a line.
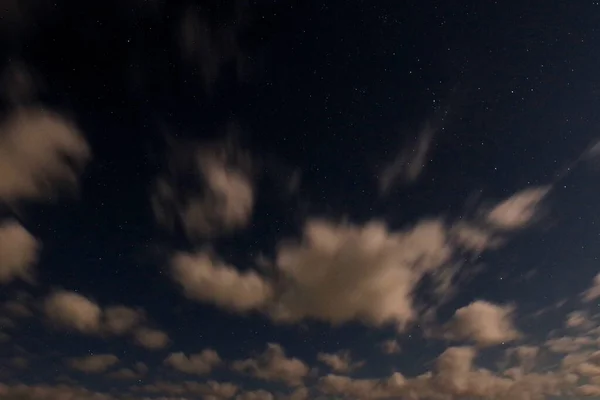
pixel 292 200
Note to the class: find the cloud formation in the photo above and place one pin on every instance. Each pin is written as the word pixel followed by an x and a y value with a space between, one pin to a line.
pixel 225 200
pixel 199 364
pixel 152 339
pixel 73 311
pixel 484 323
pixel 519 209
pixel 93 364
pixel 273 365
pixel 202 278
pixel 340 362
pixel 39 151
pixel 18 252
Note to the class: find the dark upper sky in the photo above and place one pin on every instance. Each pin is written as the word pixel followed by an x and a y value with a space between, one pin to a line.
pixel 299 200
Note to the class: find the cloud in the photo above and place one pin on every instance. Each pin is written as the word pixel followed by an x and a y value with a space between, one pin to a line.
pixel 484 323
pixel 93 364
pixel 273 365
pixel 340 273
pixel 594 291
pixel 38 151
pixel 152 339
pixel 578 320
pixel 137 372
pixel 202 278
pixel 200 364
pixel 210 390
pixel 519 209
pixel 119 320
pixel 18 252
pixel 47 392
pixel 255 395
pixel 390 346
pixel 340 362
pixel 73 311
pixel 568 344
pixel 225 200
pixel 409 163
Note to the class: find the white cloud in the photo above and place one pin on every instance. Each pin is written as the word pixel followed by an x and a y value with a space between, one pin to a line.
pixel 34 147
pixel 519 209
pixel 204 279
pixel 340 362
pixel 152 339
pixel 593 292
pixel 578 319
pixel 18 252
pixel 340 273
pixel 93 364
pixel 200 364
pixel 73 311
pixel 273 365
pixel 484 323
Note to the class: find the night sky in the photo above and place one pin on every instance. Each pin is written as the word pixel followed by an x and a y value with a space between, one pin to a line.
pixel 269 200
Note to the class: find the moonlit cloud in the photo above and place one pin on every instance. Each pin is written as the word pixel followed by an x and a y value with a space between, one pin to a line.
pixel 483 323
pixel 152 339
pixel 73 311
pixel 224 203
pixel 39 151
pixel 519 209
pixel 204 279
pixel 18 252
pixel 94 364
pixel 200 364
pixel 274 365
pixel 340 362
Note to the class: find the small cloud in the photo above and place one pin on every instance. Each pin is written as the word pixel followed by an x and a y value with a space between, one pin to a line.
pixel 484 323
pixel 119 320
pixel 409 163
pixel 73 311
pixel 18 252
pixel 273 365
pixel 199 364
pixel 93 364
pixel 391 346
pixel 34 148
pixel 593 292
pixel 152 339
pixel 202 278
pixel 518 210
pixel 340 362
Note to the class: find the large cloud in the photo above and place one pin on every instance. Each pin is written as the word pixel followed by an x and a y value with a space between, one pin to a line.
pixel 39 150
pixel 594 291
pixel 18 252
pixel 484 323
pixel 273 365
pixel 339 273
